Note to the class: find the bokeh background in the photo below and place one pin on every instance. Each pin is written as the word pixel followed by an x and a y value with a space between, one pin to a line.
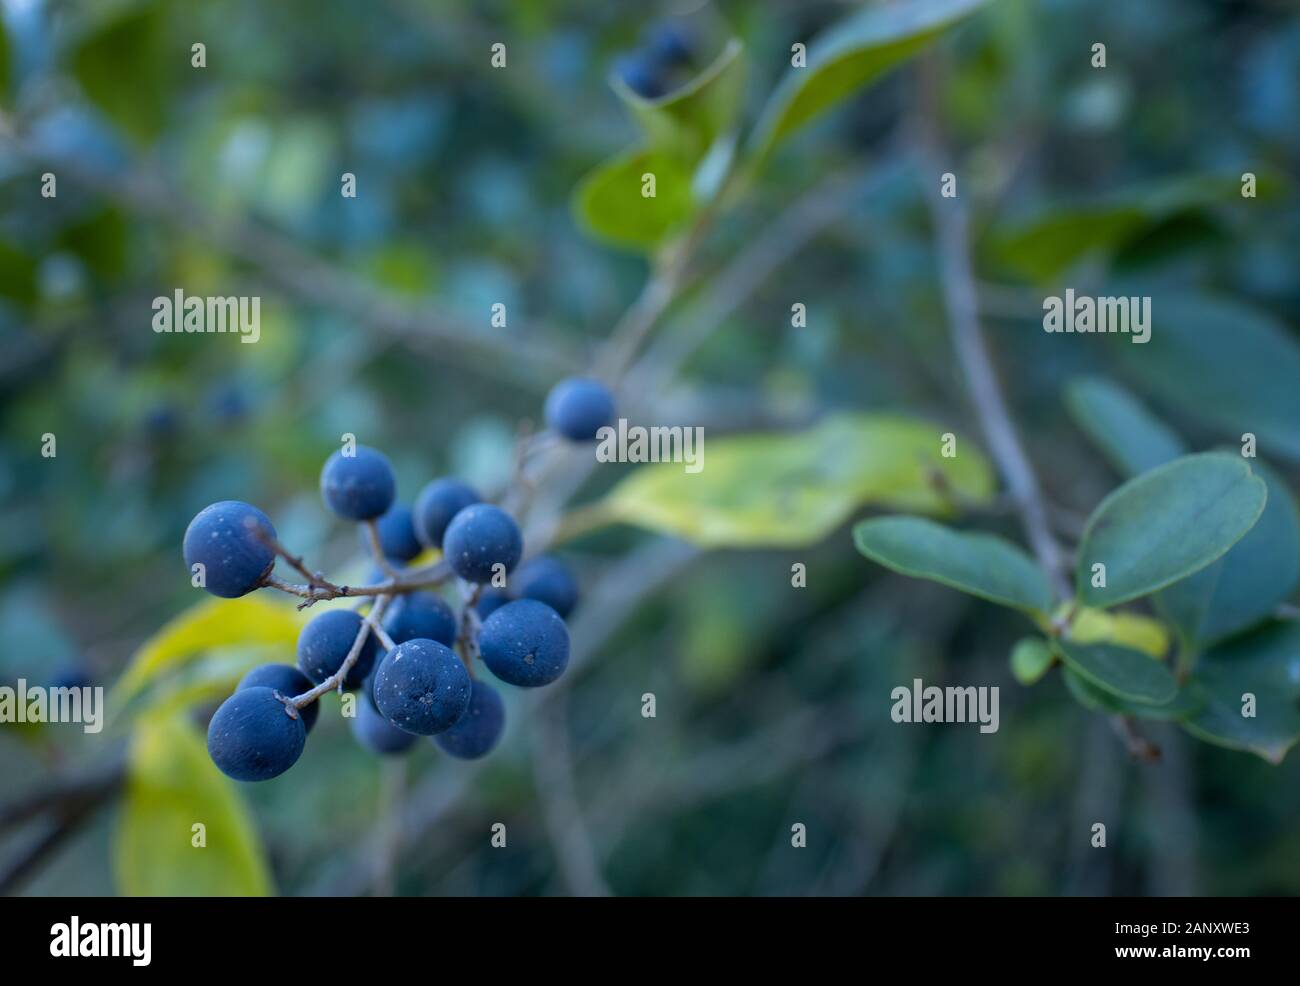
pixel 772 702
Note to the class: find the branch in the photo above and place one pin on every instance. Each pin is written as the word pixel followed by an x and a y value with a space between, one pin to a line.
pixel 952 241
pixel 561 811
pixel 338 677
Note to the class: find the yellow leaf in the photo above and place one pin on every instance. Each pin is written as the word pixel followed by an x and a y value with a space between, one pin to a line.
pixel 172 786
pixel 205 626
pixel 1131 630
pixel 794 488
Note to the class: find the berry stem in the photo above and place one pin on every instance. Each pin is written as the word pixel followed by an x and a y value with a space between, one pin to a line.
pixel 336 679
pixel 379 632
pixel 466 641
pixel 377 549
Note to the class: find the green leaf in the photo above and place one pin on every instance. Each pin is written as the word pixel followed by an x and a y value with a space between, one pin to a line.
pixel 850 55
pixel 207 625
pixel 795 488
pixel 1127 673
pixel 1182 705
pixel 125 65
pixel 1131 438
pixel 1244 586
pixel 1167 524
pixel 1052 243
pixel 1031 658
pixel 982 564
pixel 1046 246
pixel 610 205
pixel 6 63
pixel 685 122
pixel 1265 664
pixel 172 784
pixel 1225 365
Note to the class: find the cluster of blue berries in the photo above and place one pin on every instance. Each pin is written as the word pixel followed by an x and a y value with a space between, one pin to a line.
pixel 410 655
pixel 662 62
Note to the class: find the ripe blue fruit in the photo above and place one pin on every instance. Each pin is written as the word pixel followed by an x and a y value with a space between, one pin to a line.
pixel 579 407
pixel 640 75
pixel 490 601
pixel 437 504
pixel 231 540
pixel 421 686
pixel 525 643
pixel 286 680
pixel 668 44
pixel 548 580
pixel 396 531
pixel 377 734
pixel 480 537
pixel 325 643
pixel 360 486
pixel 476 732
pixel 252 736
pixel 420 615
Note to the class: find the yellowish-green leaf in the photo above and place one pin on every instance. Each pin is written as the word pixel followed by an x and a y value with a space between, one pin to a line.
pixel 791 489
pixel 172 785
pixel 612 201
pixel 1031 658
pixel 1131 630
pixel 205 626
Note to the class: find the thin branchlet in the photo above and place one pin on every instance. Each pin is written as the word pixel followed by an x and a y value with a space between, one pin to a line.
pixel 335 681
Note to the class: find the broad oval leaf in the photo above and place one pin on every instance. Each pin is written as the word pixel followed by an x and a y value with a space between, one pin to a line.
pixel 851 54
pixel 1167 524
pixel 208 625
pixel 1244 586
pixel 983 565
pixel 1132 439
pixel 610 204
pixel 1049 244
pixel 1180 707
pixel 1264 664
pixel 1226 365
pixel 171 785
pixel 1127 673
pixel 795 488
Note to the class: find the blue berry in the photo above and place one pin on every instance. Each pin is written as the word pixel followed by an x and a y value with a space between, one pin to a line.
pixel 640 75
pixel 420 615
pixel 525 643
pixel 548 580
pixel 579 407
pixel 288 681
pixel 325 643
pixel 437 504
pixel 253 736
pixel 490 601
pixel 360 486
pixel 231 540
pixel 668 44
pixel 377 734
pixel 396 531
pixel 479 538
pixel 422 687
pixel 72 676
pixel 475 733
